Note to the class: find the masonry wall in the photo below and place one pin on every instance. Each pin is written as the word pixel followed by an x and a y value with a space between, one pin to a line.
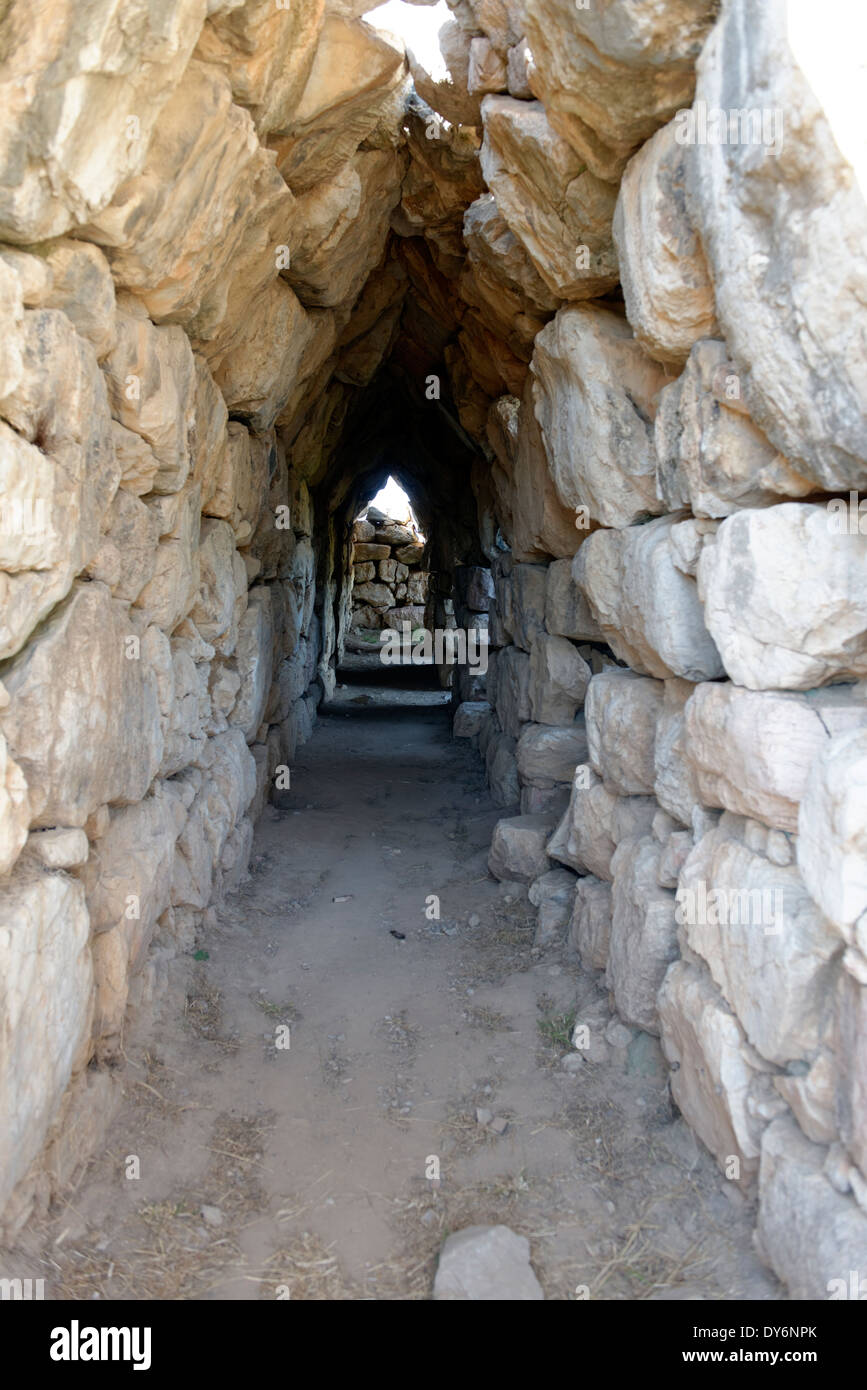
pixel 623 357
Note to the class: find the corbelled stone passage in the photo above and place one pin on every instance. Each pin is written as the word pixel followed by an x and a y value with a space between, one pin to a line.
pixel 593 296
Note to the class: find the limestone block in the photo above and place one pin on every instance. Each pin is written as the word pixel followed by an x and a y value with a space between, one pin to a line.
pixel 785 599
pixel 752 752
pixel 590 928
pixel 663 271
pixel 595 392
pixel 83 719
pixel 223 592
pixel 643 941
pixel 768 947
pixel 812 1236
pixel 621 712
pixel 832 830
pixel 556 207
pixel 553 894
pixel 14 809
pixel 469 718
pixel 518 848
pixel 609 75
pixel 595 822
pixel 716 1076
pixel 648 610
pixel 81 285
pixel 223 791
pixel 487 68
pixel 567 612
pixel 784 302
pixel 558 681
pixel 501 770
pixel 151 380
pixel 547 754
pixel 254 656
pixel 512 691
pixel 46 986
pixel 72 79
pixel 170 593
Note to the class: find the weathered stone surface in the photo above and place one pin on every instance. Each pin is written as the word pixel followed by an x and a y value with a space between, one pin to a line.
pixel 58 471
pixel 785 599
pixel 354 84
pixel 447 92
pixel 83 718
pixel 674 783
pixel 535 519
pixel 621 712
pixel 595 395
pixel 648 610
pixel 567 612
pixel 469 718
pixel 551 201
pixel 663 271
pixel 752 751
pixel 503 283
pixel 81 285
pixel 501 770
pixel 716 1076
pixel 14 809
pixel 487 68
pixel 170 593
pixel 558 680
pixel 151 380
pixel 711 457
pixel 72 80
pixel 609 75
pixel 832 830
pixel 342 224
pixel 786 299
pixel 553 894
pixel 223 592
pixel 850 1073
pixel 59 849
pixel 483 1263
pixel 590 929
pixel 511 689
pixel 275 347
pixel 223 790
pixel 254 657
pixel 595 823
pixel 643 941
pixel 768 947
pixel 46 984
pixel 526 610
pixel 518 848
pixel 812 1235
pixel 547 754
pixel 267 52
pixel 368 550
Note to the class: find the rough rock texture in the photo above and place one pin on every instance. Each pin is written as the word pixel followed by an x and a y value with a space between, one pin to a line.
pixel 486 1263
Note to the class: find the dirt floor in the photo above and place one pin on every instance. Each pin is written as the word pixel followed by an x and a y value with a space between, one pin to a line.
pixel 315 1163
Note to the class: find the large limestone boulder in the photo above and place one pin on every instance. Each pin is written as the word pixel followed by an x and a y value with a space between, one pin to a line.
pixel 590 928
pixel 717 1080
pixel 621 712
pixel 547 754
pixel 340 227
pixel 595 393
pixel 355 85
pixel 170 592
pixel 507 285
pixel 253 660
pixel 789 198
pixel 151 380
pixel 559 211
pixel 812 1235
pixel 46 1004
pixel 832 831
pixel 83 719
pixel 223 592
pixel 595 822
pixel 647 608
pixel 643 941
pixel 58 471
pixel 663 271
pixel 222 791
pixel 753 752
pixel 81 89
pixel 266 51
pixel 511 693
pixel 711 457
pixel 82 286
pixel 448 92
pixel 768 947
pixel 518 848
pixel 785 598
pixel 559 677
pixel 611 74
pixel 850 1090
pixel 567 612
pixel 534 518
pixel 674 783
pixel 195 237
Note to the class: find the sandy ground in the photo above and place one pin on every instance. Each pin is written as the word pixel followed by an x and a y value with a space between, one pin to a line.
pixel 316 1162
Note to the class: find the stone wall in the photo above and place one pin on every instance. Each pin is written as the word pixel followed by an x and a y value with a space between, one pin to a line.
pixel 246 262
pixel 389 584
